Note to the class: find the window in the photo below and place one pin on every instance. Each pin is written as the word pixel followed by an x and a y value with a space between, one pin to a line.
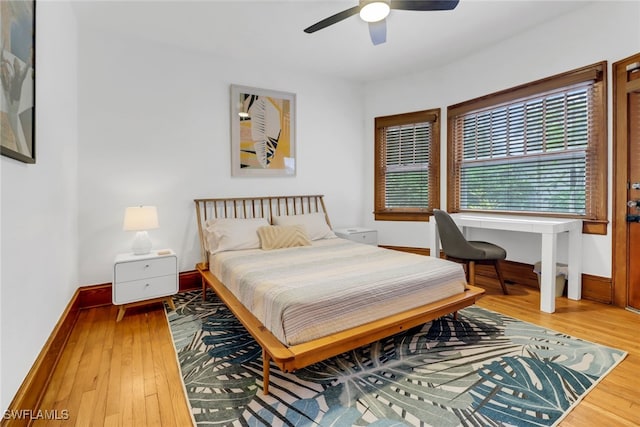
pixel 538 149
pixel 407 165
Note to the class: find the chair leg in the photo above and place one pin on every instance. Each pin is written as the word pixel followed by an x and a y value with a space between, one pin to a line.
pixel 471 273
pixel 496 265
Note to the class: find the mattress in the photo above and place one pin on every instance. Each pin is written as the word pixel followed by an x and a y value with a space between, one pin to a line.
pixel 304 293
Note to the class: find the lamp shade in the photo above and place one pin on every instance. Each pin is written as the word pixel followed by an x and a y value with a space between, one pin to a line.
pixel 140 218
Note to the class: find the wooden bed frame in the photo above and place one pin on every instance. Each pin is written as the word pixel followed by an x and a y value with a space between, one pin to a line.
pixel 290 358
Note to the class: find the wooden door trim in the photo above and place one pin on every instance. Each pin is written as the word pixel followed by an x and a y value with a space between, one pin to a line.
pixel 620 179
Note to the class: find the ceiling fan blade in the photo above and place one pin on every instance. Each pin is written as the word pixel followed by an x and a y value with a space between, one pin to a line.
pixel 424 4
pixel 378 31
pixel 332 19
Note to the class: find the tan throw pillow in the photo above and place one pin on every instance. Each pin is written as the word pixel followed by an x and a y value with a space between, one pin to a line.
pixel 283 236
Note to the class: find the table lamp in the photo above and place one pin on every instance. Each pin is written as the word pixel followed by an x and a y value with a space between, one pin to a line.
pixel 141 219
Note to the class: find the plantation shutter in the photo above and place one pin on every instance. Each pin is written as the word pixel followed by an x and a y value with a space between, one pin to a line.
pixel 405 173
pixel 537 150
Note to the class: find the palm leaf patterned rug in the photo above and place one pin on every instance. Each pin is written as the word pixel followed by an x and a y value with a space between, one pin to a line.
pixel 484 369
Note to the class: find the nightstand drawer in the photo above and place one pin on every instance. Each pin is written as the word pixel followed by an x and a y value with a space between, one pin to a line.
pixel 368 237
pixel 135 270
pixel 139 290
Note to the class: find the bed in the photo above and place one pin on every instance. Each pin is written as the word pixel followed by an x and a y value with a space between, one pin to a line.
pixel 306 295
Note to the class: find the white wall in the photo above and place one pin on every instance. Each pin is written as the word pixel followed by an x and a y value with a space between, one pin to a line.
pixel 155 129
pixel 602 31
pixel 39 207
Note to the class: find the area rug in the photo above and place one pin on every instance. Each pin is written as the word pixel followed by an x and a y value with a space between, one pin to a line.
pixel 484 369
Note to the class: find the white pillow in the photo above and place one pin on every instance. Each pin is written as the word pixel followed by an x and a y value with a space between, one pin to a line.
pixel 230 234
pixel 314 223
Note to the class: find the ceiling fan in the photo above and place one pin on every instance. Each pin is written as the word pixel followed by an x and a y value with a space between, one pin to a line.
pixel 375 12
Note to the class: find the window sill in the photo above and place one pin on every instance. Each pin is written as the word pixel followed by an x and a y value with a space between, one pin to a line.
pixel 402 216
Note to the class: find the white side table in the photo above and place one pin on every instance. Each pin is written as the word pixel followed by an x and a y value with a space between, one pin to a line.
pixel 143 279
pixel 358 234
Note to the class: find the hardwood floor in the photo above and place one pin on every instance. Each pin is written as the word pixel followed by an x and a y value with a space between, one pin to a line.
pixel 118 374
pixel 126 374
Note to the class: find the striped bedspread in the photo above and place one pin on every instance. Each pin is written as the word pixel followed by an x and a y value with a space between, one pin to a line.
pixel 305 293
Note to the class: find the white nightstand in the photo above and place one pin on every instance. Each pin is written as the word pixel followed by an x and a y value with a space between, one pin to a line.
pixel 358 234
pixel 142 279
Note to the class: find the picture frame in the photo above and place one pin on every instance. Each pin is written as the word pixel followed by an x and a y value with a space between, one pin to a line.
pixel 17 80
pixel 263 137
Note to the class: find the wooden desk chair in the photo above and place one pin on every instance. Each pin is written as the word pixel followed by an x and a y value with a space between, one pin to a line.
pixel 457 248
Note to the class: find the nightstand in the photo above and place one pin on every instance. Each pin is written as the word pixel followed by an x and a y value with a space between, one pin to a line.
pixel 358 234
pixel 143 279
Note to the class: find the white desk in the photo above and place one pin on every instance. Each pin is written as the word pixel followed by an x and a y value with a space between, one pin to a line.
pixel 549 229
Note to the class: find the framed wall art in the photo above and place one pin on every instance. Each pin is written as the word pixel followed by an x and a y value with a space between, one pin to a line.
pixel 17 80
pixel 262 132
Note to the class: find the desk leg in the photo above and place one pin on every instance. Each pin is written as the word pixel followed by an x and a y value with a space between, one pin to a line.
pixel 434 238
pixel 465 232
pixel 574 285
pixel 548 274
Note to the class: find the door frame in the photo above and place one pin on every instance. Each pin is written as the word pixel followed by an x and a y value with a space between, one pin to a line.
pixel 620 174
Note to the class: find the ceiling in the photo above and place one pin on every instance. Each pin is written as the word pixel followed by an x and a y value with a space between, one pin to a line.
pixel 270 33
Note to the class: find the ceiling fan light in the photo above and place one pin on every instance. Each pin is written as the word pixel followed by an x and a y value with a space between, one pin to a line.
pixel 375 11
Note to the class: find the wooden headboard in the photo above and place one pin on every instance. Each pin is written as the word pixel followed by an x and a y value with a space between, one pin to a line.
pixel 255 207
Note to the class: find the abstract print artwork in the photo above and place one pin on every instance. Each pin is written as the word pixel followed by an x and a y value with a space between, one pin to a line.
pixel 17 79
pixel 262 132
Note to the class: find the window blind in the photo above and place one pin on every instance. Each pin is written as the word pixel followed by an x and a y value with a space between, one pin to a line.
pixel 407 165
pixel 539 153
